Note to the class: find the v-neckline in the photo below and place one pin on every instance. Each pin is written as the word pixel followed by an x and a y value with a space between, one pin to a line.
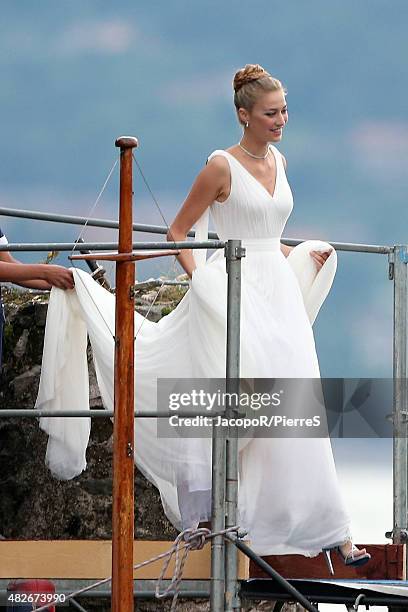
pixel 272 196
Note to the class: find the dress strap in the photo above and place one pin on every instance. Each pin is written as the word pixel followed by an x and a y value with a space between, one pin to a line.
pixel 279 160
pixel 219 152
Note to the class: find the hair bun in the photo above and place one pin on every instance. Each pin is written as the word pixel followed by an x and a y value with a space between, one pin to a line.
pixel 251 72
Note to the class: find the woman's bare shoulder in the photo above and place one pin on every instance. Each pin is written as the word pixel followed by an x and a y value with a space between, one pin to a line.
pixel 218 163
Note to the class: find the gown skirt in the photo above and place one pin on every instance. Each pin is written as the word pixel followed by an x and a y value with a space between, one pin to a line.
pixel 290 501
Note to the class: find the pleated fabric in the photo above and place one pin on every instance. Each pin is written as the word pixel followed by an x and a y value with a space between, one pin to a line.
pixel 289 496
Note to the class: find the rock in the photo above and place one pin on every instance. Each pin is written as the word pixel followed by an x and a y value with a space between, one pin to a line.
pixel 34 505
pixel 25 386
pixel 21 345
pixel 95 400
pixel 94 486
pixel 40 314
pixel 152 313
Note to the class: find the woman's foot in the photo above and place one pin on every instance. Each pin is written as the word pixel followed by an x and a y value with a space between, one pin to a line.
pixel 350 554
pixel 349 551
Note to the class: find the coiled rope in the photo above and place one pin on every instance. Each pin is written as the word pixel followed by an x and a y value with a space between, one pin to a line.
pixel 187 540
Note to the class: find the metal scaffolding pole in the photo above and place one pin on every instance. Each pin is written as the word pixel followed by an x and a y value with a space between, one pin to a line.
pixel 75 220
pixel 400 407
pixel 110 246
pixel 233 252
pixel 36 413
pixel 225 453
pixel 160 229
pixel 217 520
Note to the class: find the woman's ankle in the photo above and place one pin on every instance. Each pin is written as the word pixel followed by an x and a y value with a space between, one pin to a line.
pixel 349 547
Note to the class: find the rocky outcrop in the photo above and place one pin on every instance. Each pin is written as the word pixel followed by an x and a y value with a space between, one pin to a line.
pixel 33 505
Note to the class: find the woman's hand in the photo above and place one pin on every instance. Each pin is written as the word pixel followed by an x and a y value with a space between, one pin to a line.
pixel 320 257
pixel 58 276
pixel 34 276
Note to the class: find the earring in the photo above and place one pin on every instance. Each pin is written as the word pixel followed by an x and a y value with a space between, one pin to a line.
pixel 247 124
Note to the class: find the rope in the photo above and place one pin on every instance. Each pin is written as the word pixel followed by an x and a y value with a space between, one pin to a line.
pixel 173 264
pixel 95 304
pixel 189 539
pixel 80 236
pixel 153 197
pixel 163 284
pixel 95 204
pixel 171 268
pixel 77 241
pixel 194 539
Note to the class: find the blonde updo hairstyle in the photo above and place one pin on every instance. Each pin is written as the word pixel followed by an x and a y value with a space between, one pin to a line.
pixel 251 82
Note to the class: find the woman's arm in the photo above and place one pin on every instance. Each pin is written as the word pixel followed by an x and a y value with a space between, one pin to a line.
pixel 285 249
pixel 34 276
pixel 206 188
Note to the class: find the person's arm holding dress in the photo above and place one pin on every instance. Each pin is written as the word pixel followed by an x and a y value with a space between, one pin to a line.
pixel 34 276
pixel 206 188
pixel 319 257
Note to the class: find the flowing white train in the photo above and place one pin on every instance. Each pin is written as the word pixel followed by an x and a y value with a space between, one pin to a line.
pixel 289 496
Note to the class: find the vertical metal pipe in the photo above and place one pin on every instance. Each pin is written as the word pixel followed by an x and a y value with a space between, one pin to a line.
pixel 234 253
pixel 217 520
pixel 225 566
pixel 123 429
pixel 400 407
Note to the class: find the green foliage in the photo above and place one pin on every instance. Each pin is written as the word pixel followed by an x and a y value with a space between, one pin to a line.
pixel 166 310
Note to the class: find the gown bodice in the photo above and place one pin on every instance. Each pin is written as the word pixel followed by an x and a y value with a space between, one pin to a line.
pixel 250 211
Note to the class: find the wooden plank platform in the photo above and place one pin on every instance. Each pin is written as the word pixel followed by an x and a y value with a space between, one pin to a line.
pixel 387 563
pixel 89 559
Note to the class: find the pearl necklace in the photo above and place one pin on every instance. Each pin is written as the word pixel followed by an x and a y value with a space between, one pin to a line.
pixel 252 155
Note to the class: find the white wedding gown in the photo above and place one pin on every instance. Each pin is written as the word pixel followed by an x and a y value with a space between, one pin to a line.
pixel 289 496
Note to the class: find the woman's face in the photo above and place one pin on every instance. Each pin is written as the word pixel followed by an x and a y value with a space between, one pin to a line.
pixel 268 116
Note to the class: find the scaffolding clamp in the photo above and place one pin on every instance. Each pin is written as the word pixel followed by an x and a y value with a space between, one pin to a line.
pixel 233 252
pixel 401 534
pixel 240 252
pixel 402 251
pixel 402 413
pixel 391 260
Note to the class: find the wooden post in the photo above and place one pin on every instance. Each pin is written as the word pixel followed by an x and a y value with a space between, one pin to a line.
pixel 123 429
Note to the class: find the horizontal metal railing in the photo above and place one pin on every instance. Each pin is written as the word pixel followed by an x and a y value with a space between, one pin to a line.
pixel 152 229
pixel 398 259
pixel 98 413
pixel 76 220
pixel 111 246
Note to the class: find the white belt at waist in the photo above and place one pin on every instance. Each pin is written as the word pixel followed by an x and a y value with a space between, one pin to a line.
pixel 254 245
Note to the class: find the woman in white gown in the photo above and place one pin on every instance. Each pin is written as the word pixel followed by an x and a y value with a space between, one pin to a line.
pixel 289 496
